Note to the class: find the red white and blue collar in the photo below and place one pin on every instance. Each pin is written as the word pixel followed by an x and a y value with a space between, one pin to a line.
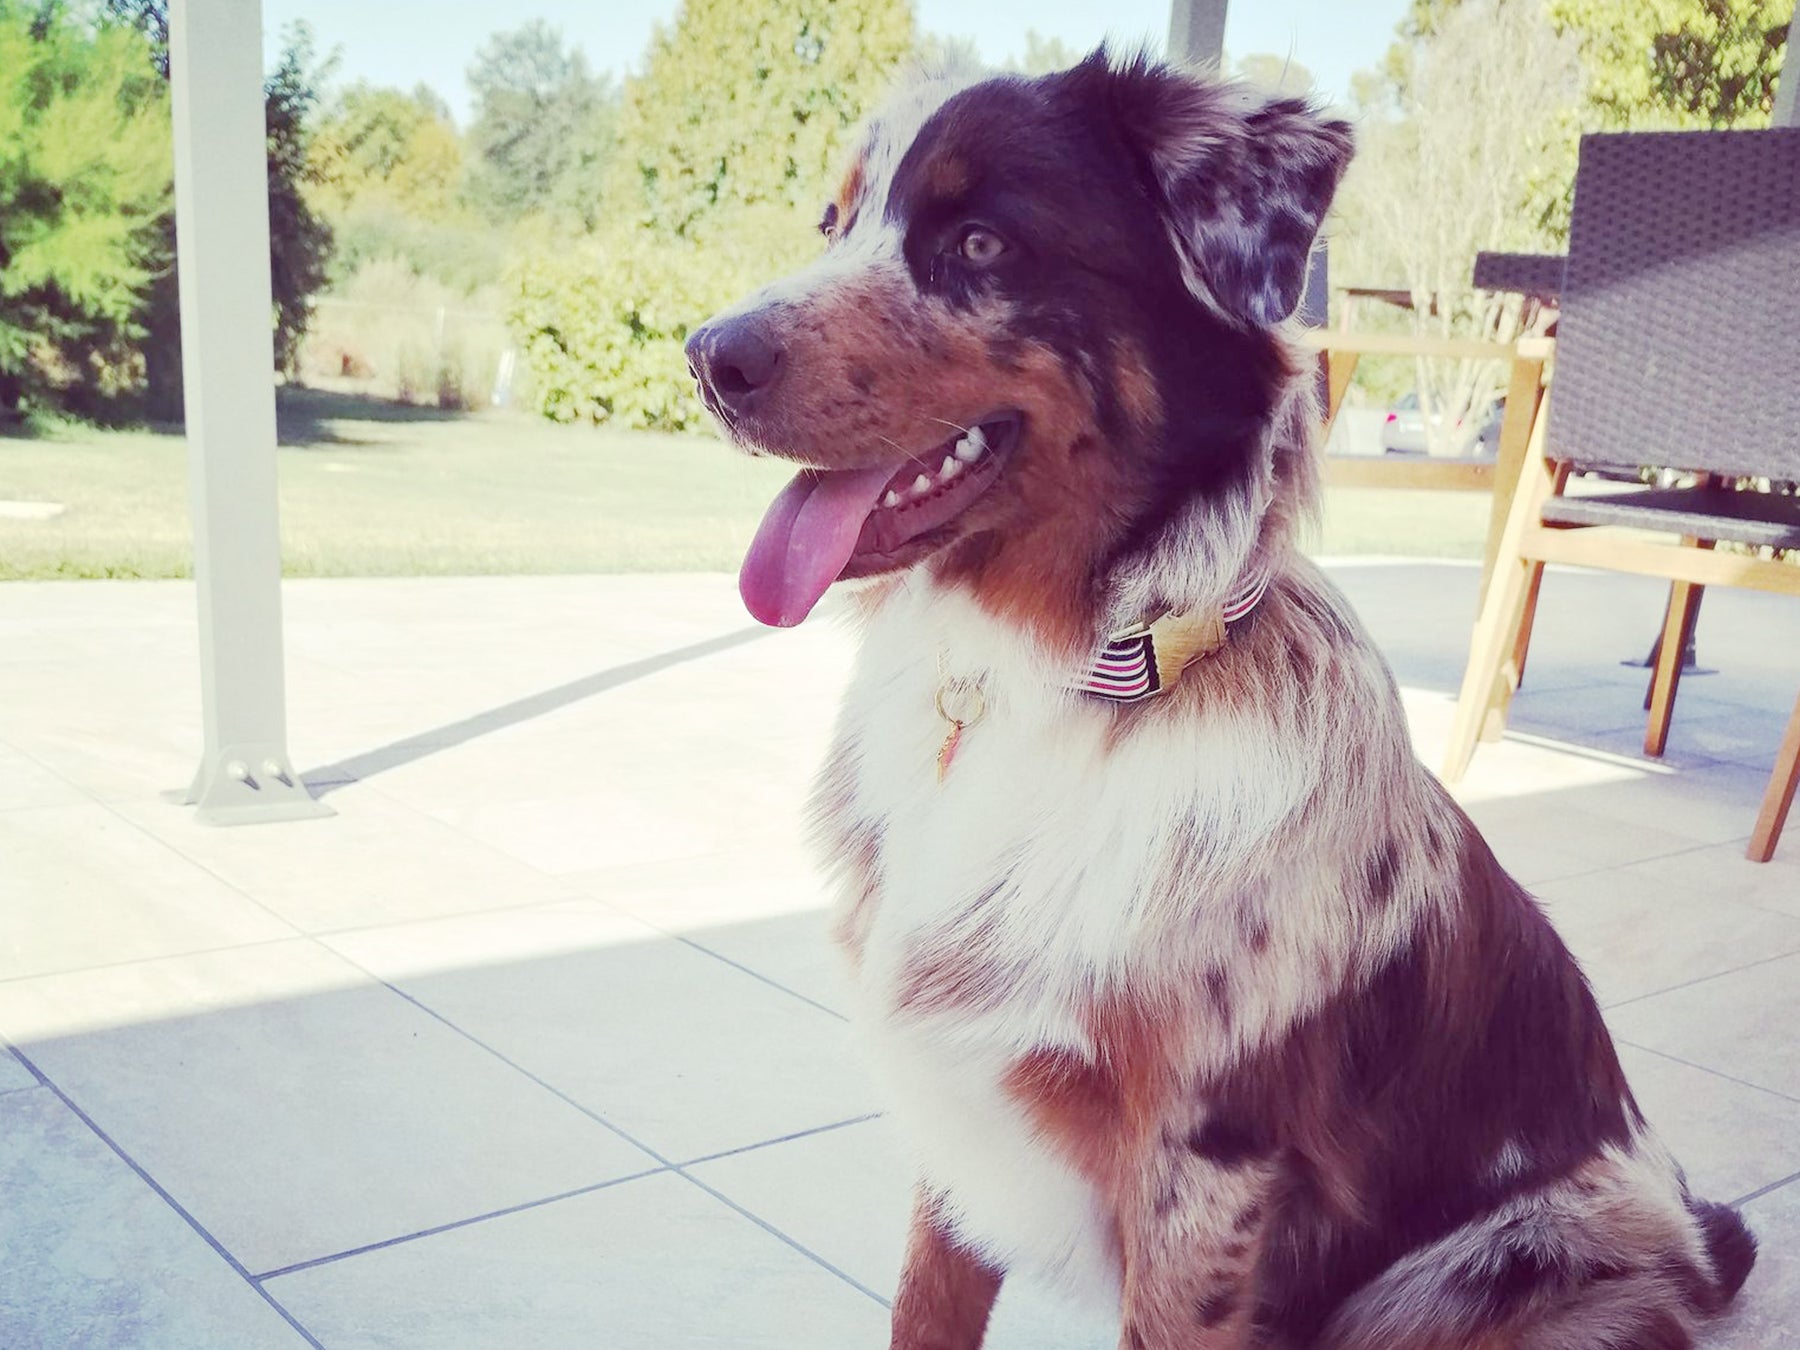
pixel 1149 657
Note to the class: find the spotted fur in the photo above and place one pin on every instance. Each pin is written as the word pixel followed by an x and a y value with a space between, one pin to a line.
pixel 1216 1007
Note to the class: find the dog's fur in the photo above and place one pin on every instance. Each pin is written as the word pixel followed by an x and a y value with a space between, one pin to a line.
pixel 1216 1005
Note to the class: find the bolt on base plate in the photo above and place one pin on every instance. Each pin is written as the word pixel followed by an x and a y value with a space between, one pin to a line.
pixel 250 785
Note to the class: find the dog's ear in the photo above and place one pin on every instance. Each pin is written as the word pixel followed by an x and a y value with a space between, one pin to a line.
pixel 1243 181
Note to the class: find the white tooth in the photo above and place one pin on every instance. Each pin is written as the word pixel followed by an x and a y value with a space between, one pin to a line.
pixel 978 438
pixel 967 449
pixel 921 484
pixel 951 468
pixel 892 499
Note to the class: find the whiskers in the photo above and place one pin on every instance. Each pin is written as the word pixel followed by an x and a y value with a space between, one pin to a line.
pixel 954 426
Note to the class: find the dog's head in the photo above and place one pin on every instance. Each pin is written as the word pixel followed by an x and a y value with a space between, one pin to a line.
pixel 1044 333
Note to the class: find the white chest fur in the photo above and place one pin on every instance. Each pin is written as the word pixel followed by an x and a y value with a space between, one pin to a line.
pixel 1050 849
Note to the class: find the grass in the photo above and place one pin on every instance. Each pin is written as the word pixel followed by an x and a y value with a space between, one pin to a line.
pixel 375 489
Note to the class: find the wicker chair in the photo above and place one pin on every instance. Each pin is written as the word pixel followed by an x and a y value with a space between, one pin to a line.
pixel 1679 347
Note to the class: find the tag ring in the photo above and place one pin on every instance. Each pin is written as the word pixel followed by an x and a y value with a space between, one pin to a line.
pixel 961 688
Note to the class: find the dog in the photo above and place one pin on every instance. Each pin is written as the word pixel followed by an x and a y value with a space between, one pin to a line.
pixel 1190 987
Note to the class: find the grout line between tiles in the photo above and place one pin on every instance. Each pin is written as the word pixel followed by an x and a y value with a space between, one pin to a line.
pixel 1730 1078
pixel 317 1261
pixel 148 960
pixel 757 975
pixel 200 1229
pixel 191 861
pixel 295 930
pixel 560 897
pixel 667 1163
pixel 777 1233
pixel 1533 885
pixel 1761 1191
pixel 686 940
pixel 784 1139
pixel 55 773
pixel 1702 979
pixel 505 1059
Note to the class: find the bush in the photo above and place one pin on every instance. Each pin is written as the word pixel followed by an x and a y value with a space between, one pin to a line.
pixel 84 182
pixel 602 330
pixel 466 254
pixel 726 148
pixel 408 337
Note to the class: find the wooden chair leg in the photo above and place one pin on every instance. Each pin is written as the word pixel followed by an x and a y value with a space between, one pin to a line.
pixel 1684 606
pixel 1780 796
pixel 1495 633
pixel 1493 722
pixel 1482 704
pixel 1339 368
pixel 1522 648
pixel 1524 401
pixel 1524 396
pixel 1671 650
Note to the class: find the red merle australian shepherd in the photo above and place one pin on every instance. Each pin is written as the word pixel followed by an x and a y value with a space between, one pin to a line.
pixel 1189 985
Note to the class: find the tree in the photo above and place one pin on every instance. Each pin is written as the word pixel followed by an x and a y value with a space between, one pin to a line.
pixel 299 241
pixel 747 104
pixel 1464 153
pixel 543 124
pixel 84 178
pixel 727 146
pixel 1678 63
pixel 1278 74
pixel 389 177
pixel 576 192
pixel 1657 64
pixel 386 144
pixel 942 51
pixel 1043 55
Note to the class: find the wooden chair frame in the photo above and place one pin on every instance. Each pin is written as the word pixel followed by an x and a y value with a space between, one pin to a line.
pixel 1527 544
pixel 1527 358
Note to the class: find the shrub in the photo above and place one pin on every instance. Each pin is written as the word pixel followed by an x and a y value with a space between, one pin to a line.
pixel 84 182
pixel 407 337
pixel 726 145
pixel 602 329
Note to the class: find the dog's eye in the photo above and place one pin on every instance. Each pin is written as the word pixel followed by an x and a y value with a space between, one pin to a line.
pixel 980 245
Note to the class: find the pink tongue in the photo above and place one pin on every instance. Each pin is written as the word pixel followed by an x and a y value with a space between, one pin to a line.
pixel 804 541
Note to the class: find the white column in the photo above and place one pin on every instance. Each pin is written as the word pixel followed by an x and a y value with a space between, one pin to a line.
pixel 228 364
pixel 1787 85
pixel 1197 31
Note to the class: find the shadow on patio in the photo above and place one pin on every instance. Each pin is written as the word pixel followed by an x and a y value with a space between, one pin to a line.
pixel 540 1037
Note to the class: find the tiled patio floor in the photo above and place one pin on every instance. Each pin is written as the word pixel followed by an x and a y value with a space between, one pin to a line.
pixel 537 1042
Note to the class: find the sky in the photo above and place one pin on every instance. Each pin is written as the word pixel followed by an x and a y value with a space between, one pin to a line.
pixel 404 42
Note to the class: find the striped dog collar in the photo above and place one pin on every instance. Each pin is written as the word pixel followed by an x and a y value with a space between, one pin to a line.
pixel 1150 657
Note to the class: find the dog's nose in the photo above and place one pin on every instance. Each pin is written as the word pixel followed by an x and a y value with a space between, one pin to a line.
pixel 736 360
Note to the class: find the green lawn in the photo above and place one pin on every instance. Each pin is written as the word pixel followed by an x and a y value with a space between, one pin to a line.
pixel 371 489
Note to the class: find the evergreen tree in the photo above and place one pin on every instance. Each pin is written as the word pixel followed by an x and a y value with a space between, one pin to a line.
pixel 299 241
pixel 84 184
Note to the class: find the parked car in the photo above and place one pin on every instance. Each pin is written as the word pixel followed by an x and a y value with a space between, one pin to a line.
pixel 1404 432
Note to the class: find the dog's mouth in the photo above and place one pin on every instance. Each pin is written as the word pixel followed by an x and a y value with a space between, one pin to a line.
pixel 828 523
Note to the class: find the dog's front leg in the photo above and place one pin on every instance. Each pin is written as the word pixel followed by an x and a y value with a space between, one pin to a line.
pixel 1189 1245
pixel 946 1291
